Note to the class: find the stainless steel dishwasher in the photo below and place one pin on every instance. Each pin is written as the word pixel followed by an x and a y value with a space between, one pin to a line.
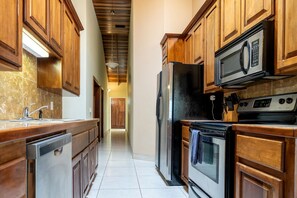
pixel 50 167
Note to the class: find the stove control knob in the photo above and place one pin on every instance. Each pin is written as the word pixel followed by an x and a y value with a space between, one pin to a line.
pixel 241 104
pixel 289 100
pixel 281 101
pixel 245 104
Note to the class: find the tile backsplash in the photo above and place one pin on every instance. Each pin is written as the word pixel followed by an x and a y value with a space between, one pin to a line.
pixel 288 85
pixel 19 89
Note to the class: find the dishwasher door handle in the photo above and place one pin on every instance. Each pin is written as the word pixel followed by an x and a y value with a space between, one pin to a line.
pixel 58 151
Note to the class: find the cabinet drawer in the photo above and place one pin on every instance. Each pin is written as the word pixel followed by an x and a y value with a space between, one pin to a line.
pixel 79 142
pixel 185 133
pixel 96 132
pixel 266 152
pixel 92 135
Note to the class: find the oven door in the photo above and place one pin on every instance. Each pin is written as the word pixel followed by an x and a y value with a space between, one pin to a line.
pixel 196 192
pixel 209 172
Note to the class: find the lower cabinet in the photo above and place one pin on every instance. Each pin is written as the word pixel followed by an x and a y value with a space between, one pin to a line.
pixel 85 162
pixel 185 154
pixel 13 169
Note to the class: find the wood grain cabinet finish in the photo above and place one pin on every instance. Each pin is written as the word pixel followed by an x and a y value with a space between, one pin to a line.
pixel 56 25
pixel 212 44
pixel 11 21
pixel 185 154
pixel 36 16
pixel 230 20
pixel 77 176
pixel 189 57
pixel 70 64
pixel 286 28
pixel 173 49
pixel 255 183
pixel 198 42
pixel 85 170
pixel 254 11
pixel 13 169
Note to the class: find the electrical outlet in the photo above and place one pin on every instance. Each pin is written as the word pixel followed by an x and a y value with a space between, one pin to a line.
pixel 212 97
pixel 51 105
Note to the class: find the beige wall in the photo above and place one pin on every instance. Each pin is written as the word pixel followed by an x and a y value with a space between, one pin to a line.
pixel 116 91
pixel 196 6
pixel 19 89
pixel 150 20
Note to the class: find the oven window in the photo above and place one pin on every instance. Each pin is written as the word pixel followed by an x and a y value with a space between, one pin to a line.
pixel 209 163
pixel 230 64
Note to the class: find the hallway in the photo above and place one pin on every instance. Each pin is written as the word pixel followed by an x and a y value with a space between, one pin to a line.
pixel 120 176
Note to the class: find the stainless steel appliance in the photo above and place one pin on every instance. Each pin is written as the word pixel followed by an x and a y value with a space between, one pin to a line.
pixel 212 174
pixel 180 97
pixel 249 57
pixel 50 167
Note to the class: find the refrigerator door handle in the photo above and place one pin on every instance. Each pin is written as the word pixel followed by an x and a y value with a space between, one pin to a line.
pixel 160 107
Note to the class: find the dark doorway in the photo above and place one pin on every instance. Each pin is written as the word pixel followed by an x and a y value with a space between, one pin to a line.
pixel 98 107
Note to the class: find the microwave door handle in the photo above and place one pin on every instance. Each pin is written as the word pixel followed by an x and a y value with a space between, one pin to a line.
pixel 241 60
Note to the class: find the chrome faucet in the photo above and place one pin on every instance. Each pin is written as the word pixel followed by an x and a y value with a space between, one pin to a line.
pixel 27 113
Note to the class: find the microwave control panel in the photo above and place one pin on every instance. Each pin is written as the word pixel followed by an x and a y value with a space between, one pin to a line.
pixel 255 53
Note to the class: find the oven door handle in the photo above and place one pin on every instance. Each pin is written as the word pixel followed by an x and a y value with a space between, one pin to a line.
pixel 245 44
pixel 203 194
pixel 212 135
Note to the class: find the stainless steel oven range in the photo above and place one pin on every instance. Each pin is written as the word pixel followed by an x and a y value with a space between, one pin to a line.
pixel 211 160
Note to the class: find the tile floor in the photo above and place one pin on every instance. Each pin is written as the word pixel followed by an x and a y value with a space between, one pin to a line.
pixel 121 176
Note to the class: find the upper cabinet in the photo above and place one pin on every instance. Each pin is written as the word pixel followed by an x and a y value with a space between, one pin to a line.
pixel 198 40
pixel 212 44
pixel 173 49
pixel 230 20
pixel 189 58
pixel 252 12
pixel 11 21
pixel 286 28
pixel 237 16
pixel 56 25
pixel 36 16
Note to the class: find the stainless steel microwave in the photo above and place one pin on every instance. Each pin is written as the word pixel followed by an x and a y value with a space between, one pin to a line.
pixel 248 58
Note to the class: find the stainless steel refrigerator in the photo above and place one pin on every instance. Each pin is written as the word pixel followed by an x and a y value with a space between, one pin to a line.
pixel 179 96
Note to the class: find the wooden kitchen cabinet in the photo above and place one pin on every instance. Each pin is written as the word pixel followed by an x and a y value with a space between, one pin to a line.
pixel 11 21
pixel 56 25
pixel 254 11
pixel 70 64
pixel 185 154
pixel 198 42
pixel 77 176
pixel 230 20
pixel 265 162
pixel 36 16
pixel 189 57
pixel 286 28
pixel 85 170
pixel 212 44
pixel 173 49
pixel 13 169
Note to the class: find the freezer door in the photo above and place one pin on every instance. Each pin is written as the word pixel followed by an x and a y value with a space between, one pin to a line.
pixel 166 123
pixel 158 118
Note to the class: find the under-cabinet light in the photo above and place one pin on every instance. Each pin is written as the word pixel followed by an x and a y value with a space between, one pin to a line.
pixel 33 46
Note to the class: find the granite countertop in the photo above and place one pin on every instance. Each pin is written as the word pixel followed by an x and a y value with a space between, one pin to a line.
pixel 13 130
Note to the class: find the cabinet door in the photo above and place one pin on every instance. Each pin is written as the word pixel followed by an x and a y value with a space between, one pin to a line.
pixel 185 161
pixel 189 50
pixel 11 21
pixel 286 36
pixel 85 170
pixel 230 20
pixel 92 159
pixel 212 43
pixel 68 61
pixel 198 34
pixel 76 73
pixel 36 16
pixel 252 12
pixel 251 182
pixel 77 176
pixel 56 25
